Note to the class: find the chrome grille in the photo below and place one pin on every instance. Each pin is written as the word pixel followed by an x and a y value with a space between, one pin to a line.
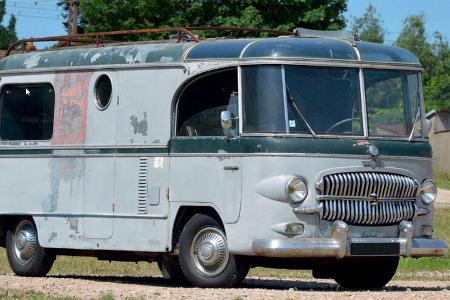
pixel 367 213
pixel 367 198
pixel 367 184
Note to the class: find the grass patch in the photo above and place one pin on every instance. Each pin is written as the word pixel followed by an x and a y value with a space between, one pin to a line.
pixel 410 268
pixel 442 180
pixel 15 295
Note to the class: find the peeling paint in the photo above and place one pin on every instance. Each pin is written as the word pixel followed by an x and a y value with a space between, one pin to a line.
pixel 62 171
pixel 73 223
pixel 52 237
pixel 166 59
pixel 139 126
pixel 32 61
pixel 95 57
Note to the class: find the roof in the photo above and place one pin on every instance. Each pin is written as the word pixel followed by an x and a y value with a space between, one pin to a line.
pixel 217 49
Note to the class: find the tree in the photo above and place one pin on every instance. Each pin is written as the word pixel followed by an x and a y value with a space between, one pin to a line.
pixel 104 15
pixel 369 27
pixel 414 38
pixel 7 34
pixel 435 58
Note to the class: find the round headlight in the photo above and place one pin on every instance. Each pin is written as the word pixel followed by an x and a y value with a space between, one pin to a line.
pixel 296 190
pixel 428 191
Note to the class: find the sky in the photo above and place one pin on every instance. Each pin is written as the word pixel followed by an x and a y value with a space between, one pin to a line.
pixel 38 18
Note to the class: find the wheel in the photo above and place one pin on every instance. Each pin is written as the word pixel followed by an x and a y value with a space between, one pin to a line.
pixel 170 268
pixel 25 256
pixel 204 256
pixel 366 272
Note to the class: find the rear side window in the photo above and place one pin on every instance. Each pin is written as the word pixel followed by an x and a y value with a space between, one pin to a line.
pixel 26 112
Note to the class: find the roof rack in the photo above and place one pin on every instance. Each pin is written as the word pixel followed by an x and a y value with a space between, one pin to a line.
pixel 97 38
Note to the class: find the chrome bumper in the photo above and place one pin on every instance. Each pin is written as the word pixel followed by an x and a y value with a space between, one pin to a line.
pixel 339 245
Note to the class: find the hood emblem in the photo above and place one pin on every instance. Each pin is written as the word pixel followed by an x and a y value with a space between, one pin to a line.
pixel 374 200
pixel 374 161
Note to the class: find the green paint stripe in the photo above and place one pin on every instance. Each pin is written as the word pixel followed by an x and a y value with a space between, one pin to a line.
pixel 298 145
pixel 86 151
pixel 256 145
pixel 25 151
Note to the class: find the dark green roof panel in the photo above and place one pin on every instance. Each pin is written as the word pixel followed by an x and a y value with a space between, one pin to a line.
pixel 384 53
pixel 315 48
pixel 219 49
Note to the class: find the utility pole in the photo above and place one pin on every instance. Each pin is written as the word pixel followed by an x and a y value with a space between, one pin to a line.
pixel 72 21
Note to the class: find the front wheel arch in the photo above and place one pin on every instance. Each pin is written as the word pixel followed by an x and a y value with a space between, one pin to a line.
pixel 184 214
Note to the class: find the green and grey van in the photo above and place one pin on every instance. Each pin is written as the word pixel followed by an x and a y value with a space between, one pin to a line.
pixel 216 156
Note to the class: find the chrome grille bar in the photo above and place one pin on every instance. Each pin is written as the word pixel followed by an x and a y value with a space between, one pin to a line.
pixel 368 198
pixel 363 213
pixel 363 184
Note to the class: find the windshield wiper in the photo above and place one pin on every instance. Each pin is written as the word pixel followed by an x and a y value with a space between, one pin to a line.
pixel 411 135
pixel 297 110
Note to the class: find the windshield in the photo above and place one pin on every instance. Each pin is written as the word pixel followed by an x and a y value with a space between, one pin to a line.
pixel 393 99
pixel 301 99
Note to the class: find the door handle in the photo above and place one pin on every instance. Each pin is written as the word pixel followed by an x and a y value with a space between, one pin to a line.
pixel 92 151
pixel 231 168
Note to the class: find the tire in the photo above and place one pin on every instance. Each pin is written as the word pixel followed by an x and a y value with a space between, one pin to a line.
pixel 170 268
pixel 204 256
pixel 25 256
pixel 366 273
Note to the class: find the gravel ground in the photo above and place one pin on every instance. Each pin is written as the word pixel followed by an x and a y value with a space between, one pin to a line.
pixel 443 198
pixel 86 287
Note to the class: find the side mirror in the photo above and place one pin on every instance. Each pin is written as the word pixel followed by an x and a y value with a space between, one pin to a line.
pixel 428 125
pixel 226 120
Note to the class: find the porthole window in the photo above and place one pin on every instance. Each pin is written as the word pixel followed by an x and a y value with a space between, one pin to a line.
pixel 103 92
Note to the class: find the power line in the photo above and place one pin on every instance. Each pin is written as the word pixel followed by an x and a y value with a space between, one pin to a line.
pixel 10 6
pixel 33 16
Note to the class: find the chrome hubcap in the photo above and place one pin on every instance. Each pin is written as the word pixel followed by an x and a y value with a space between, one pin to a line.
pixel 24 242
pixel 209 251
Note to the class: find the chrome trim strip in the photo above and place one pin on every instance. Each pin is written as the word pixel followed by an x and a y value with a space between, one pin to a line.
pixel 240 102
pixel 325 63
pixel 363 103
pixel 331 136
pixel 15 72
pixel 363 198
pixel 83 215
pixel 283 83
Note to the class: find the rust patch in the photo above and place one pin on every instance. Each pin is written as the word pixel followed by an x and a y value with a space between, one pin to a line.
pixel 70 108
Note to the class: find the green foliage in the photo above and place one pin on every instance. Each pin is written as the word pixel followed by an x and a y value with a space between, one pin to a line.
pixel 435 58
pixel 7 33
pixel 369 27
pixel 442 180
pixel 104 15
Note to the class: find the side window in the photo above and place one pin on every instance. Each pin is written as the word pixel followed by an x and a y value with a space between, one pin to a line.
pixel 201 103
pixel 26 112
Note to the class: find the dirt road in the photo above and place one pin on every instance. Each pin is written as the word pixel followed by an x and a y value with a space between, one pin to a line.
pixel 85 287
pixel 443 198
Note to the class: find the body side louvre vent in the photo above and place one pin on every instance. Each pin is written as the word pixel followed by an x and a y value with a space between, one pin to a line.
pixel 142 185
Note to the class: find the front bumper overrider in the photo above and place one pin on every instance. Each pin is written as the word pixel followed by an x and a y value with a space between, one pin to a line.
pixel 340 245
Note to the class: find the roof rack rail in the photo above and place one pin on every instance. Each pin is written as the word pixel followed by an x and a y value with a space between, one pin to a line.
pixel 334 34
pixel 181 34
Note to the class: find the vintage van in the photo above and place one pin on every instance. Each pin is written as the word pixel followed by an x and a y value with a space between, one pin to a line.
pixel 213 156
